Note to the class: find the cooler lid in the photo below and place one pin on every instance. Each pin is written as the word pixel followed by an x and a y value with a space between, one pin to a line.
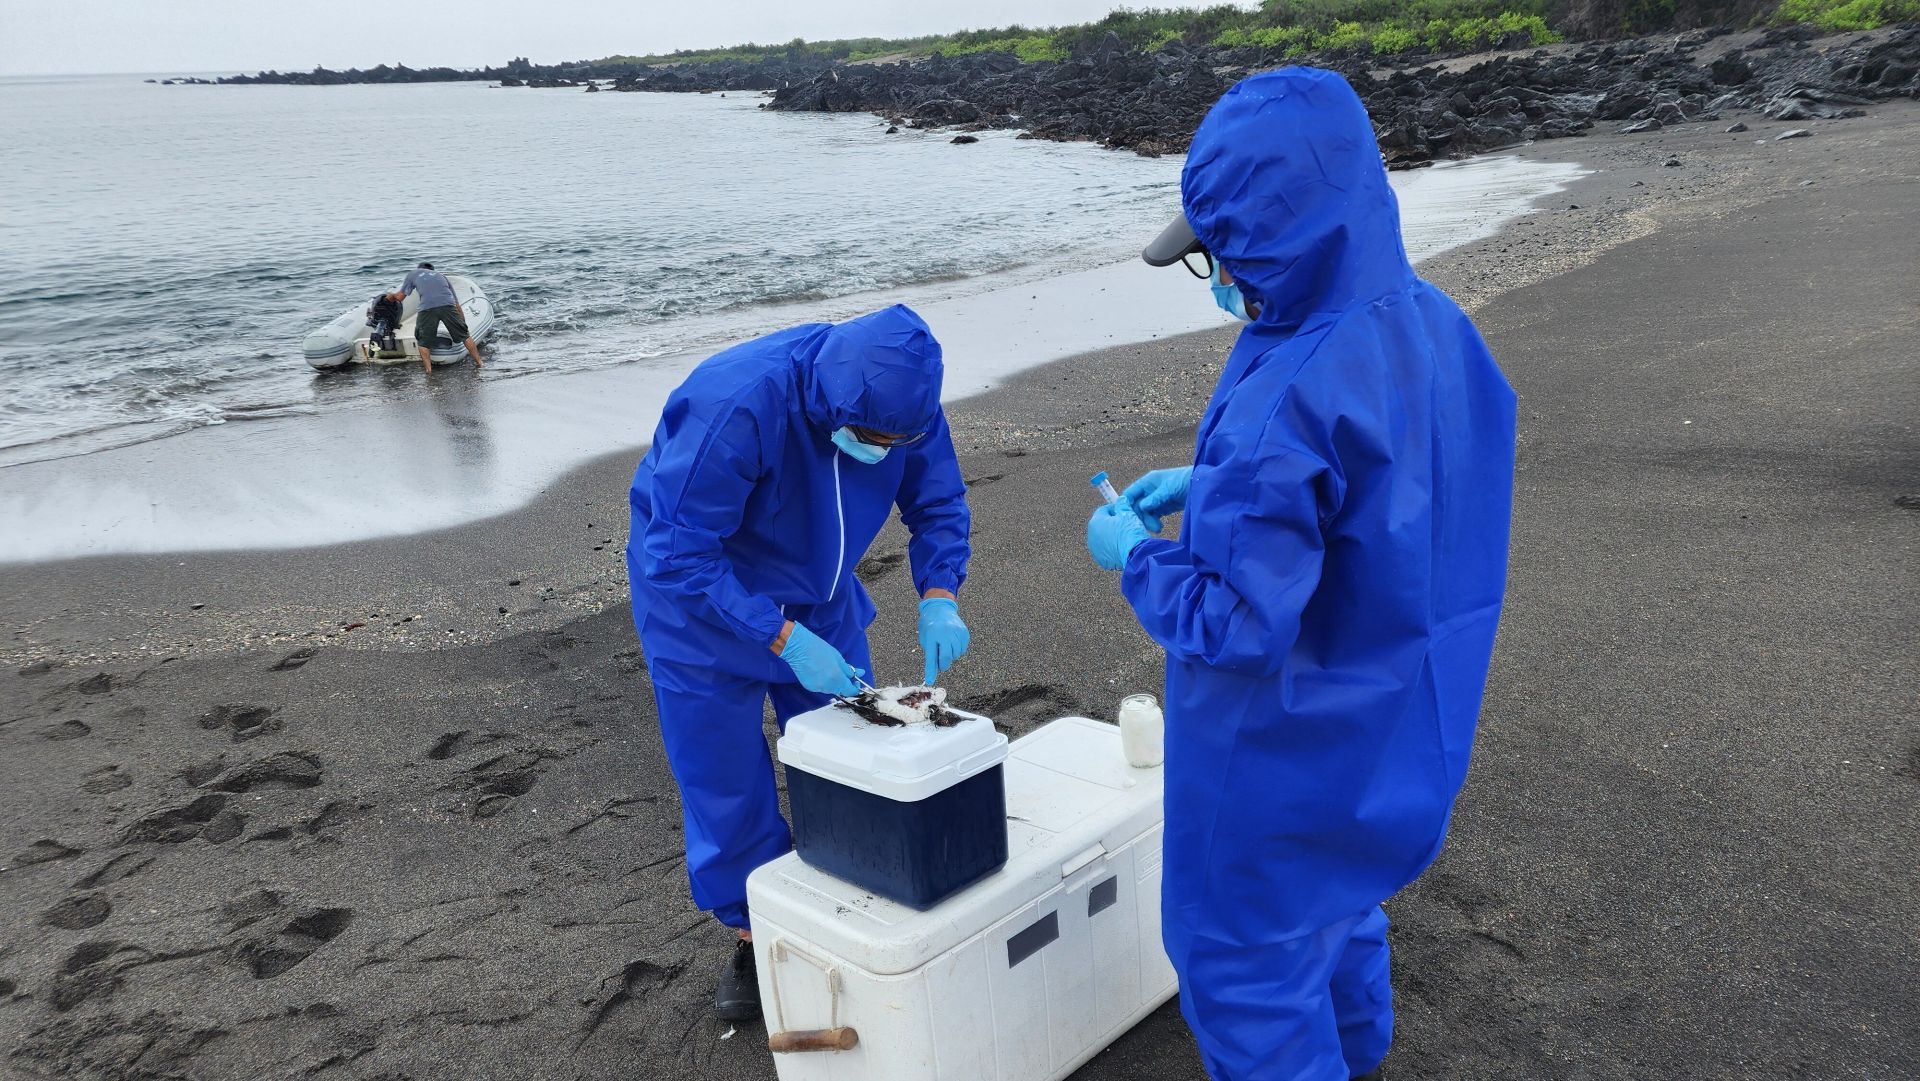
pixel 907 763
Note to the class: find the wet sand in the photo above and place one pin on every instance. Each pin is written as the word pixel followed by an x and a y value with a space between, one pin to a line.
pixel 398 808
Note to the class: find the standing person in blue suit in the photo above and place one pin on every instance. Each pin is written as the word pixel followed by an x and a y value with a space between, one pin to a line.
pixel 774 466
pixel 1328 608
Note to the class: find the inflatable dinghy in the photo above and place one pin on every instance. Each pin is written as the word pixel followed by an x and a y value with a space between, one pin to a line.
pixel 348 338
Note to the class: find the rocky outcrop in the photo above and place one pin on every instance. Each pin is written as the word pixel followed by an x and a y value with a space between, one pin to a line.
pixel 768 74
pixel 1151 103
pixel 1422 110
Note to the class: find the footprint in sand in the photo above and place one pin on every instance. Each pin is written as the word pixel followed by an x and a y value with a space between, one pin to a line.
pixel 286 770
pixel 872 568
pixel 550 652
pixel 45 850
pixel 225 827
pixel 323 826
pixel 251 908
pixel 95 968
pixel 296 660
pixel 98 683
pixel 334 815
pixel 1028 701
pixel 88 971
pixel 178 825
pixel 201 772
pixel 243 722
pixel 123 866
pixel 270 955
pixel 455 744
pixel 78 912
pixel 66 730
pixel 209 817
pixel 498 781
pixel 630 986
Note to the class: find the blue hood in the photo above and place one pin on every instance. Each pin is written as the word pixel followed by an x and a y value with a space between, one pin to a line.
pixel 880 371
pixel 1284 185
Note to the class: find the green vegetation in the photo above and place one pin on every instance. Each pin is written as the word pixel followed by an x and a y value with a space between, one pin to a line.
pixel 1847 14
pixel 1029 47
pixel 1419 25
pixel 1300 27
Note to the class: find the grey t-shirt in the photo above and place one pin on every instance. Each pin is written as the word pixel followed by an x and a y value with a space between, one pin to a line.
pixel 433 287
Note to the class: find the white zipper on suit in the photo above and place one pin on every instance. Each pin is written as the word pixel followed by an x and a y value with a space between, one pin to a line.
pixel 840 514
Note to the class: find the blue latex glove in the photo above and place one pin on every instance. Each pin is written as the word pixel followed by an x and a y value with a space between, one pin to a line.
pixel 1163 491
pixel 943 637
pixel 1112 533
pixel 820 667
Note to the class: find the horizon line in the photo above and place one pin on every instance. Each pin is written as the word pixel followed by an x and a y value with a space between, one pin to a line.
pixel 204 72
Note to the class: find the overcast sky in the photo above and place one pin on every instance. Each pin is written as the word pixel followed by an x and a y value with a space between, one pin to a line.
pixel 60 36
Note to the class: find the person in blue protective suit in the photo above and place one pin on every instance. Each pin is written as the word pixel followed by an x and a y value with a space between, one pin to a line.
pixel 1328 608
pixel 774 466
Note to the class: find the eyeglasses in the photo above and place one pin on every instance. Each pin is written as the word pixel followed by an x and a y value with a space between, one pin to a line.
pixel 874 438
pixel 1206 257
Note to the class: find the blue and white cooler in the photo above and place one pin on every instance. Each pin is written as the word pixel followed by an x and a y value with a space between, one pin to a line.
pixel 913 812
pixel 877 961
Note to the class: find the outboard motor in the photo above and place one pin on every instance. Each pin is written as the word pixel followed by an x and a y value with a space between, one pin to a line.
pixel 383 315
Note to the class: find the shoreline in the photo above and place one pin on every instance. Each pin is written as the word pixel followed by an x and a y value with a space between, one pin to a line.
pixel 1629 194
pixel 1506 97
pixel 461 448
pixel 1684 848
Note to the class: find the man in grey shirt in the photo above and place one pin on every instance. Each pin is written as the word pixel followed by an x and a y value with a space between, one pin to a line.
pixel 438 307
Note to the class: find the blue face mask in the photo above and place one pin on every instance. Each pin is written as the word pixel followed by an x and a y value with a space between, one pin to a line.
pixel 850 445
pixel 1229 297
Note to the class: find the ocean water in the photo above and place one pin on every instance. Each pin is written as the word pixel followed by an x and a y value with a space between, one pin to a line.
pixel 163 249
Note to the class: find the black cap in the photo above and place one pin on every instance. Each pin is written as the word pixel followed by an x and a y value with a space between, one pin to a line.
pixel 1174 243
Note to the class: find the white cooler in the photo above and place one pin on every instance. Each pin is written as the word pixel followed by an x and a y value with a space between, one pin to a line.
pixel 1022 976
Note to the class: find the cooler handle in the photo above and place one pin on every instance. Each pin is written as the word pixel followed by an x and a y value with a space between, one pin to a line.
pixel 835 1037
pixel 813 1039
pixel 980 760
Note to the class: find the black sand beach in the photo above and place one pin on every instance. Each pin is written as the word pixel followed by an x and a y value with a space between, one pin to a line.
pixel 399 809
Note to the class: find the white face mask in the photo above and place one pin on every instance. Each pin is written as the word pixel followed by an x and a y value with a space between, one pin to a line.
pixel 852 447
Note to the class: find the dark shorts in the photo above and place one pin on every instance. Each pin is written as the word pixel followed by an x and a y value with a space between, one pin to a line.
pixel 426 326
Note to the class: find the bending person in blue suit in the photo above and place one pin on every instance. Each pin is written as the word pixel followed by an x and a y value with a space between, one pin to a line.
pixel 1328 608
pixel 774 466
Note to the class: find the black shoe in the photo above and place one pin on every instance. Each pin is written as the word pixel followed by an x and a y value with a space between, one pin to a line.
pixel 737 998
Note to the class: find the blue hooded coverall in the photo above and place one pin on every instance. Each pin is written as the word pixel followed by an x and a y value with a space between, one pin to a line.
pixel 746 516
pixel 1329 610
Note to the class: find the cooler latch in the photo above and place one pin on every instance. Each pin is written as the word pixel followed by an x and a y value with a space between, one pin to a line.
pixel 1083 860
